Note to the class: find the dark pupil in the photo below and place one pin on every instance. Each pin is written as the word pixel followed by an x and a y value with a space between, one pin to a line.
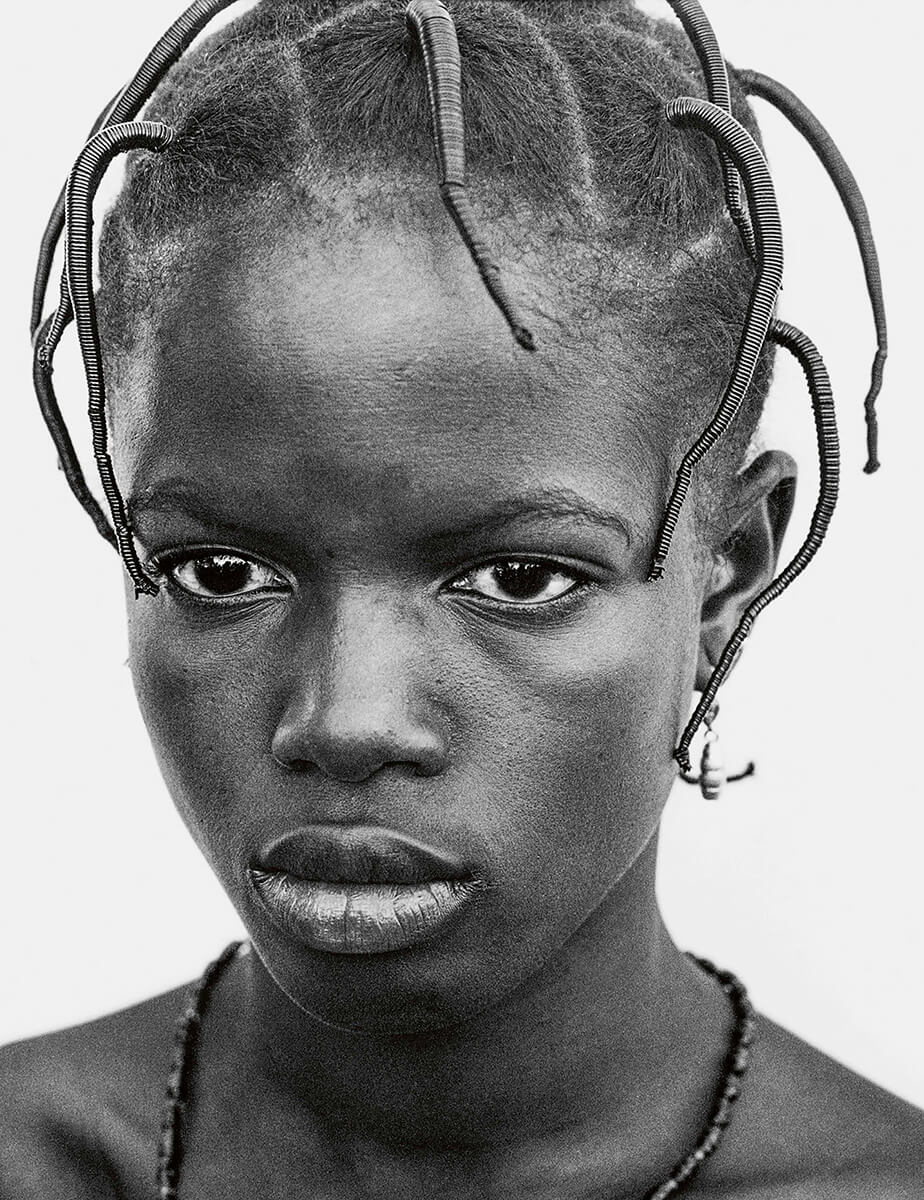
pixel 222 575
pixel 521 580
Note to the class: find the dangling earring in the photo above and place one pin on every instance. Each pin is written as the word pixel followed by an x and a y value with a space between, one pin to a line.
pixel 712 776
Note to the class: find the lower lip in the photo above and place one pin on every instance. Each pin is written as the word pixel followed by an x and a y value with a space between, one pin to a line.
pixel 360 918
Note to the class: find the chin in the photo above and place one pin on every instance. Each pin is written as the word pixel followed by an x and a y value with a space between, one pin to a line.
pixel 428 990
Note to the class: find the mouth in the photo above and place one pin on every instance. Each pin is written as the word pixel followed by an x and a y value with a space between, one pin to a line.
pixel 359 890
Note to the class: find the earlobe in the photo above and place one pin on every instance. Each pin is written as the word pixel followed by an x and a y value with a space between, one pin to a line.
pixel 747 561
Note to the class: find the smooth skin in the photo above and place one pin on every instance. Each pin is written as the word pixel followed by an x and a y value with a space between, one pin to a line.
pixel 356 431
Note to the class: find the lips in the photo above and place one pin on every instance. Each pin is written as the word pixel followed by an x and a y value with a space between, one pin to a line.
pixel 359 889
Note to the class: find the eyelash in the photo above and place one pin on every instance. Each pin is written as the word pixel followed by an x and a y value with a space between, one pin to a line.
pixel 162 568
pixel 530 610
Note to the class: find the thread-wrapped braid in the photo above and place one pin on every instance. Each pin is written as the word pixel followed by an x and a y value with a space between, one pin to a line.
pixel 54 328
pixel 49 245
pixel 746 156
pixel 82 185
pixel 125 106
pixel 436 33
pixel 804 120
pixel 698 29
pixel 67 455
pixel 816 374
pixel 185 1034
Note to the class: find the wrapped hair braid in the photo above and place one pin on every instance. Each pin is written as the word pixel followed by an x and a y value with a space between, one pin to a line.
pixel 701 34
pixel 702 37
pixel 67 455
pixel 436 33
pixel 125 106
pixel 806 353
pixel 805 121
pixel 49 244
pixel 82 185
pixel 683 211
pixel 743 151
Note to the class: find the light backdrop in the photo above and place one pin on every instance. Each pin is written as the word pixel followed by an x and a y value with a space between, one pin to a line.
pixel 807 881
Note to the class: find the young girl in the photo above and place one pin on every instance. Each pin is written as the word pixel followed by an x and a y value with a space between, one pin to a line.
pixel 435 483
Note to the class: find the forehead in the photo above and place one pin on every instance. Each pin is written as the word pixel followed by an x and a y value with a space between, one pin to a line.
pixel 374 367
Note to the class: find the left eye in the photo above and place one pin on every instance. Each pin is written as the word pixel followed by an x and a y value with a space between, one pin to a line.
pixel 519 582
pixel 214 576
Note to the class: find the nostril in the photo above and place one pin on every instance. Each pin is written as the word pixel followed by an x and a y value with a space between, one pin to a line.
pixel 353 755
pixel 297 765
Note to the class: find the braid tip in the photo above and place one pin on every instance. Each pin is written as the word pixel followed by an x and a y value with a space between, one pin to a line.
pixel 524 337
pixel 872 443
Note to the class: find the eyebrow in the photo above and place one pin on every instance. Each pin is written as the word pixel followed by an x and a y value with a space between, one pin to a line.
pixel 532 507
pixel 559 503
pixel 177 496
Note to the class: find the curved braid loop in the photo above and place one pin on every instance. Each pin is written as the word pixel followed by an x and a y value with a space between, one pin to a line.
pixel 702 37
pixel 825 148
pixel 744 152
pixel 67 455
pixel 816 374
pixel 125 106
pixel 49 245
pixel 435 30
pixel 82 185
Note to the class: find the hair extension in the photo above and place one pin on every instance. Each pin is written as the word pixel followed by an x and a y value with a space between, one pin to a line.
pixel 816 374
pixel 805 121
pixel 436 34
pixel 666 199
pixel 746 155
pixel 52 236
pixel 125 107
pixel 67 455
pixel 702 36
pixel 82 185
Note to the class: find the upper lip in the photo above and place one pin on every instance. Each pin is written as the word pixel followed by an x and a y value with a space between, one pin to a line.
pixel 358 854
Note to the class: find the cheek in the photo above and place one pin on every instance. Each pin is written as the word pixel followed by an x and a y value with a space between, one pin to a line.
pixel 202 708
pixel 561 750
pixel 570 752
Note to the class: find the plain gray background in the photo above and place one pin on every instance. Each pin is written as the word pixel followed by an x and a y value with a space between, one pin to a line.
pixel 807 881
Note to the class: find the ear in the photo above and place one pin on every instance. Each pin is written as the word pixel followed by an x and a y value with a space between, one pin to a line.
pixel 746 562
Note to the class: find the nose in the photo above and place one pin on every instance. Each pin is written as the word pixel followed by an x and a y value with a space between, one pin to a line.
pixel 356 700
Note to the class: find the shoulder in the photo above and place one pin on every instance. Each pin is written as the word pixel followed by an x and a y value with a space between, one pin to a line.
pixel 808 1128
pixel 79 1109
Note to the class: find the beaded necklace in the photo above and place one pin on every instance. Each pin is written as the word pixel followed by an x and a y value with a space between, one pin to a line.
pixel 170 1149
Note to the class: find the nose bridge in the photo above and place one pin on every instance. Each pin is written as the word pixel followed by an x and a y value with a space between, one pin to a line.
pixel 357 697
pixel 368 661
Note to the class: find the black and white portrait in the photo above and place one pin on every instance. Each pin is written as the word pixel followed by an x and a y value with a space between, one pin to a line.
pixel 462 635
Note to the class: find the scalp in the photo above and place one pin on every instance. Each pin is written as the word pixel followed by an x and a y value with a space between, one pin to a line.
pixel 318 113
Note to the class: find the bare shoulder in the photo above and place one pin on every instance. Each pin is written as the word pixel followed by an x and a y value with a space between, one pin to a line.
pixel 807 1128
pixel 79 1109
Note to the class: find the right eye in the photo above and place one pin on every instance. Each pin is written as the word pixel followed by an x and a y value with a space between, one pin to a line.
pixel 221 575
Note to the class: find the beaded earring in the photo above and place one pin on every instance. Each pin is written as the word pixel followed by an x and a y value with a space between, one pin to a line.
pixel 712 776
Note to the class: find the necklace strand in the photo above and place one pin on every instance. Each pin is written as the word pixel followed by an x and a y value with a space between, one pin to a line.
pixel 170 1147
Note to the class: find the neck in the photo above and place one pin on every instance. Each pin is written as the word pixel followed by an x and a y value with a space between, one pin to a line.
pixel 611 1030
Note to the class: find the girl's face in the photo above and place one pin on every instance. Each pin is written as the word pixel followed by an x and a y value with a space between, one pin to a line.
pixel 404 587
